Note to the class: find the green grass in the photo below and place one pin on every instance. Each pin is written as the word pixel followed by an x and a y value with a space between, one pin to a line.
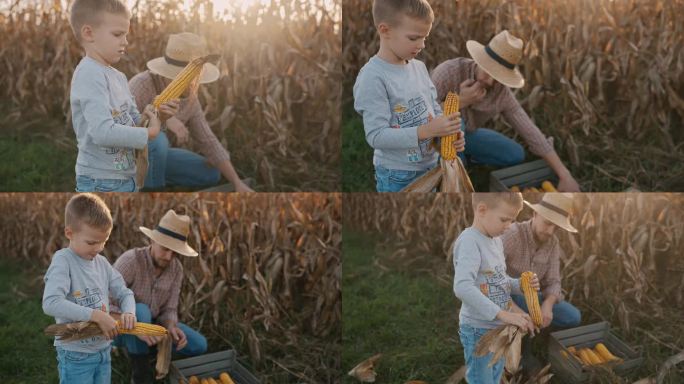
pixel 357 155
pixel 408 317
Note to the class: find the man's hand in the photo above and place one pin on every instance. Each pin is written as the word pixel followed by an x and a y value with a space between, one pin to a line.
pixel 168 109
pixel 127 320
pixel 242 187
pixel 106 323
pixel 547 313
pixel 534 282
pixel 150 340
pixel 179 129
pixel 178 337
pixel 568 184
pixel 472 92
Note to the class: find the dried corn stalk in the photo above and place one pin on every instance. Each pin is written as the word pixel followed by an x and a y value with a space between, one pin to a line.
pixel 503 341
pixel 163 357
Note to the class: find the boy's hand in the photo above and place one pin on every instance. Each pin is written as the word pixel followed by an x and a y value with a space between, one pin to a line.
pixel 154 126
pixel 106 323
pixel 128 320
pixel 472 92
pixel 168 109
pixel 179 129
pixel 521 320
pixel 440 126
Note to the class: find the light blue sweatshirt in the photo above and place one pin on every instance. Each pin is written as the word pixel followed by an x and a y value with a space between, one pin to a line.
pixel 480 279
pixel 75 287
pixel 104 116
pixel 394 100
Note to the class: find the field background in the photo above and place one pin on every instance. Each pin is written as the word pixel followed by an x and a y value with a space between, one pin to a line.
pixel 604 78
pixel 267 282
pixel 624 266
pixel 275 107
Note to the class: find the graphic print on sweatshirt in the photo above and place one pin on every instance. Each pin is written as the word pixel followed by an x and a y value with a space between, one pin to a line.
pixel 90 298
pixel 413 115
pixel 123 158
pixel 496 286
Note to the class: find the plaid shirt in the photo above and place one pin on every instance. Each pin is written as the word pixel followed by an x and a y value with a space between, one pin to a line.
pixel 524 254
pixel 190 113
pixel 159 293
pixel 449 75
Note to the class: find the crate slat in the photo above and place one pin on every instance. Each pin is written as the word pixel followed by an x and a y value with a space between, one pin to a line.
pixel 211 365
pixel 530 174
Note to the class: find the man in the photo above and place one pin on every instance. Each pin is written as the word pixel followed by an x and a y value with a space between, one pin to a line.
pixel 482 84
pixel 155 274
pixel 533 246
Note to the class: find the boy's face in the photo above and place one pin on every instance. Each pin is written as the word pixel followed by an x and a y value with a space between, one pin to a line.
pixel 542 228
pixel 496 220
pixel 86 241
pixel 407 37
pixel 161 256
pixel 107 42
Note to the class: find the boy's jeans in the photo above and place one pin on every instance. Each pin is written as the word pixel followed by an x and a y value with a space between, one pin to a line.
pixel 477 370
pixel 84 368
pixel 176 166
pixel 565 315
pixel 394 180
pixel 197 344
pixel 88 184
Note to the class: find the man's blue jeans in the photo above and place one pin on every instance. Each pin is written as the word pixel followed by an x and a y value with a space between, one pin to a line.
pixel 565 315
pixel 197 344
pixel 177 166
pixel 488 147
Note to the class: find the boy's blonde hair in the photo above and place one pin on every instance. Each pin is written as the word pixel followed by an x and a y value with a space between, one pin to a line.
pixel 88 209
pixel 90 12
pixel 389 11
pixel 492 199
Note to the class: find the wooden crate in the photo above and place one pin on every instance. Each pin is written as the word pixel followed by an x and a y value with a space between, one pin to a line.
pixel 524 175
pixel 570 370
pixel 211 365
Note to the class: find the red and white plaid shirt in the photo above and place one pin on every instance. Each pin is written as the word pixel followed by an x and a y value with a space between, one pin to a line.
pixel 161 292
pixel 449 75
pixel 190 113
pixel 524 254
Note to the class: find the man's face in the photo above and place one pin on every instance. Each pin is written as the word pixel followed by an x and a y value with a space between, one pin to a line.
pixel 483 78
pixel 497 220
pixel 542 228
pixel 406 38
pixel 86 241
pixel 108 39
pixel 161 256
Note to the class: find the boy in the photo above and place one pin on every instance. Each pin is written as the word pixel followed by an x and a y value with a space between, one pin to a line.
pixel 481 282
pixel 103 111
pixel 78 285
pixel 397 100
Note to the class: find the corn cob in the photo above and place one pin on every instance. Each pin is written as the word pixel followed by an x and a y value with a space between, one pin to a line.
pixel 531 298
pixel 211 380
pixel 584 357
pixel 604 353
pixel 447 142
pixel 515 188
pixel 142 329
pixel 225 378
pixel 193 380
pixel 183 80
pixel 595 360
pixel 547 186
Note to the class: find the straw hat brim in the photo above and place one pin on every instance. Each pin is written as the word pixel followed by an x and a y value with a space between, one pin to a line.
pixel 178 246
pixel 511 78
pixel 210 72
pixel 552 216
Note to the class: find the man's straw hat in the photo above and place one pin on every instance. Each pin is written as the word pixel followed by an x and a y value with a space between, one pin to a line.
pixel 556 208
pixel 172 233
pixel 500 58
pixel 180 50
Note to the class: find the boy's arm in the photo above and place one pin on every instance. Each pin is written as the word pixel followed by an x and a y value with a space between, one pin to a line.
pixel 466 266
pixel 119 291
pixel 98 115
pixel 372 103
pixel 57 287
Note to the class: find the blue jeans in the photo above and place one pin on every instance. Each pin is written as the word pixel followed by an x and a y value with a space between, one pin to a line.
pixel 477 369
pixel 489 147
pixel 88 184
pixel 394 180
pixel 84 368
pixel 197 344
pixel 565 315
pixel 176 166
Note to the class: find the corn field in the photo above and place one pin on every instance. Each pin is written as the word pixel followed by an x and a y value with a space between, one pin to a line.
pixel 275 106
pixel 266 282
pixel 623 266
pixel 605 78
